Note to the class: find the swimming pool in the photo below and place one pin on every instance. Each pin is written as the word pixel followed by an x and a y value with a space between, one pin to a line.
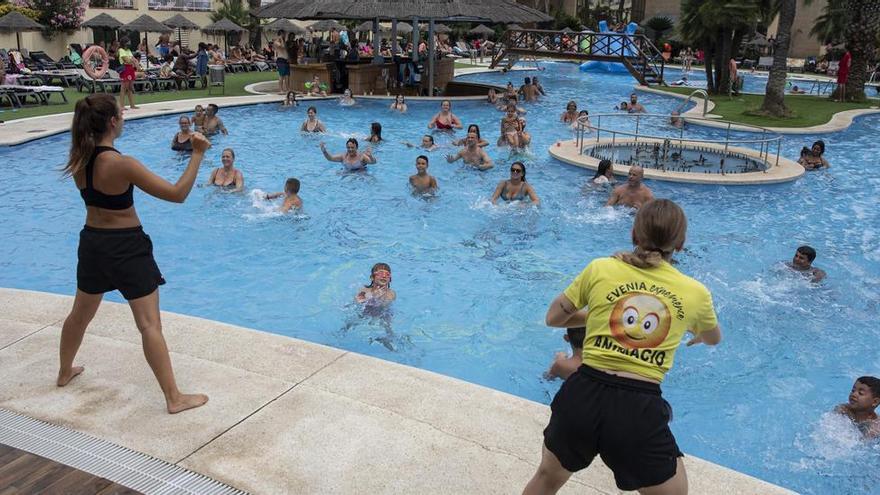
pixel 473 280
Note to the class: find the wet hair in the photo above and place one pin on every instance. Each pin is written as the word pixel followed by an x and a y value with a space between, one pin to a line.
pixel 821 145
pixel 310 109
pixel 423 157
pixel 230 150
pixel 376 268
pixel 289 94
pixel 291 186
pixel 91 121
pixel 376 130
pixel 528 81
pixel 430 137
pixel 446 101
pixel 214 108
pixel 576 336
pixel 807 251
pixel 523 167
pixel 872 382
pixel 570 103
pixel 604 165
pixel 476 129
pixel 583 112
pixel 659 229
pixel 184 117
pixel 352 140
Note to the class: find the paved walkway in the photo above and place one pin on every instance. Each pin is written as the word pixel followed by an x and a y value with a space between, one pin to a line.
pixel 289 416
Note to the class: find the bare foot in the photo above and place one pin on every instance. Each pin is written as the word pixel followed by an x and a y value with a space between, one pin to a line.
pixel 64 378
pixel 187 401
pixel 134 107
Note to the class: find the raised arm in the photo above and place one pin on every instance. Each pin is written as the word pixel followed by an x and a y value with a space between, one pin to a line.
pixel 139 175
pixel 563 314
pixel 453 158
pixel 367 156
pixel 328 156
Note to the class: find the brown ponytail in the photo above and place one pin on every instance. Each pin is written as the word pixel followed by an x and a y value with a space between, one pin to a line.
pixel 659 229
pixel 91 120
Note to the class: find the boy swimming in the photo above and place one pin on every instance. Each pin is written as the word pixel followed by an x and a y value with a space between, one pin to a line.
pixel 291 196
pixel 563 366
pixel 863 400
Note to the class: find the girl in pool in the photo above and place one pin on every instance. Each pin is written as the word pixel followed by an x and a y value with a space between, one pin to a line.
pixel 114 252
pixel 290 100
pixel 493 97
pixel 227 177
pixel 604 174
pixel 312 124
pixel 813 158
pixel 399 104
pixel 375 133
pixel 583 119
pixel 510 128
pixel 569 116
pixel 472 128
pixel 198 120
pixel 351 159
pixel 347 99
pixel 182 141
pixel 613 406
pixel 445 119
pixel 516 188
pixel 379 292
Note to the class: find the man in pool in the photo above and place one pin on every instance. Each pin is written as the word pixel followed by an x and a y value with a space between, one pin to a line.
pixel 863 400
pixel 633 194
pixel 803 262
pixel 529 90
pixel 538 85
pixel 634 106
pixel 472 154
pixel 421 182
pixel 563 366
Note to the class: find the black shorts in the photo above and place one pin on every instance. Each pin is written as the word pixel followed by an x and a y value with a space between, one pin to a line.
pixel 623 420
pixel 117 259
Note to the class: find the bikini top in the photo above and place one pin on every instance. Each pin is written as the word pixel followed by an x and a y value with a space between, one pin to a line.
pixel 182 146
pixel 94 197
pixel 519 195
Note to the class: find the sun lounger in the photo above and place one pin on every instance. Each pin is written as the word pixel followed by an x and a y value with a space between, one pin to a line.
pixel 833 67
pixel 138 84
pixel 795 64
pixel 86 81
pixel 40 94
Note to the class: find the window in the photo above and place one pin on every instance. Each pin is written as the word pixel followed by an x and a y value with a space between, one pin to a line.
pixel 203 5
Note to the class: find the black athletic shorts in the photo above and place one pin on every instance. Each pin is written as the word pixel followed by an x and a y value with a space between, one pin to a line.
pixel 623 420
pixel 111 259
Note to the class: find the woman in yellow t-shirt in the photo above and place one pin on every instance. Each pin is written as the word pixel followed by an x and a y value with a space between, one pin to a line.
pixel 128 74
pixel 639 309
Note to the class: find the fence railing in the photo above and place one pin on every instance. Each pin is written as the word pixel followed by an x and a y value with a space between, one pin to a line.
pixel 595 124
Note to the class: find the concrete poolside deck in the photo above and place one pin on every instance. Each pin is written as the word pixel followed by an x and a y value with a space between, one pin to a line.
pixel 289 416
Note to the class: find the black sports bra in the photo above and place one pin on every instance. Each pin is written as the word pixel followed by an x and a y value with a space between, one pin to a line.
pixel 94 197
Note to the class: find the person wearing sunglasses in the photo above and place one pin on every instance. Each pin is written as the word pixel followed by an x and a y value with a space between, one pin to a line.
pixel 516 188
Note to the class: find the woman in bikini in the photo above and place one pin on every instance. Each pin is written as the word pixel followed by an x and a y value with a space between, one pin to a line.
pixel 312 124
pixel 227 177
pixel 569 116
pixel 399 104
pixel 516 188
pixel 351 159
pixel 445 119
pixel 183 139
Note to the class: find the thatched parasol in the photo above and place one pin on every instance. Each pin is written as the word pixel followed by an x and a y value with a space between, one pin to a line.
pixel 15 22
pixel 438 28
pixel 325 25
pixel 367 26
pixel 284 25
pixel 482 29
pixel 224 26
pixel 146 24
pixel 514 27
pixel 457 10
pixel 180 22
pixel 103 21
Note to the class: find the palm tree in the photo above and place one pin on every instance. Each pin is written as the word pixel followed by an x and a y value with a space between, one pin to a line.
pixel 831 25
pixel 862 29
pixel 774 95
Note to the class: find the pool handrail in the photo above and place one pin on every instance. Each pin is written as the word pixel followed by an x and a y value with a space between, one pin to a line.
pixel 691 96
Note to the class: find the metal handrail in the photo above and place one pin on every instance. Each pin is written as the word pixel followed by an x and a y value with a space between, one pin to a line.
pixel 764 141
pixel 691 96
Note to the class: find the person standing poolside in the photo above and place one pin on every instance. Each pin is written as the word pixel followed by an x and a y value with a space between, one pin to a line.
pixel 213 124
pixel 472 154
pixel 516 188
pixel 421 182
pixel 290 194
pixel 843 75
pixel 202 64
pixel 282 63
pixel 445 119
pixel 803 262
pixel 114 252
pixel 228 177
pixel 312 124
pixel 182 141
pixel 399 104
pixel 613 406
pixel 128 74
pixel 351 159
pixel 633 194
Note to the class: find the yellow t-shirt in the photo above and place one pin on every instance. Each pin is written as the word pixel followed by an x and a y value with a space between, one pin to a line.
pixel 637 316
pixel 122 53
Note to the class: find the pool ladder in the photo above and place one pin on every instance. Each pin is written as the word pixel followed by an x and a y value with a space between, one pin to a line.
pixel 691 96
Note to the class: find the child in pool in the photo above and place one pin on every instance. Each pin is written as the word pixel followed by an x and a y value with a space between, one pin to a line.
pixel 290 194
pixel 379 292
pixel 863 400
pixel 198 119
pixel 563 366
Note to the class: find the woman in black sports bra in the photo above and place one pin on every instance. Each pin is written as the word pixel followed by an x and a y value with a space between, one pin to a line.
pixel 114 252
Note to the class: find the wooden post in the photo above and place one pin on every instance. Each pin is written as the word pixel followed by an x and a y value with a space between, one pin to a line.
pixel 377 57
pixel 393 37
pixel 431 57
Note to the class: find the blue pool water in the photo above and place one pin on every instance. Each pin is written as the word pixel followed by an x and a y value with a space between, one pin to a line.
pixel 474 280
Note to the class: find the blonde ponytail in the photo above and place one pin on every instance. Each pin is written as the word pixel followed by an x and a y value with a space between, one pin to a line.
pixel 659 229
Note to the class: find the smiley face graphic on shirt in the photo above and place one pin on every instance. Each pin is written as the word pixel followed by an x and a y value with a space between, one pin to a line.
pixel 640 320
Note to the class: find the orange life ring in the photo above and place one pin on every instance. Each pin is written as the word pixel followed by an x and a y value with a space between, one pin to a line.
pixel 95 71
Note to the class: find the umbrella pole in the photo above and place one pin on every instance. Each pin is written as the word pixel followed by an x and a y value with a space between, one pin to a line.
pixel 226 43
pixel 377 57
pixel 415 40
pixel 431 57
pixel 179 39
pixel 18 39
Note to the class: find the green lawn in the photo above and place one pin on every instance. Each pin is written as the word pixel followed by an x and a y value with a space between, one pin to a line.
pixel 235 84
pixel 807 110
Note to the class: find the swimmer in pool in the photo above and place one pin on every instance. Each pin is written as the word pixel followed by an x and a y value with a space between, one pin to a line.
pixel 213 124
pixel 563 365
pixel 422 182
pixel 516 188
pixel 569 116
pixel 634 106
pixel 814 157
pixel 351 159
pixel 482 143
pixel 198 120
pixel 290 194
pixel 510 128
pixel 797 91
pixel 290 100
pixel 803 262
pixel 379 292
pixel 863 401
pixel 583 120
pixel 427 143
pixel 346 100
pixel 227 177
pixel 375 133
pixel 604 174
pixel 445 119
pixel 312 124
pixel 472 154
pixel 399 104
pixel 633 194
pixel 675 119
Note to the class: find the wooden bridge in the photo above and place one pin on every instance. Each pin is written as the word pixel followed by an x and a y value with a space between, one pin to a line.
pixel 636 52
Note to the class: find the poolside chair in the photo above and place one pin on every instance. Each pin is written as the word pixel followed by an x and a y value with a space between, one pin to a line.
pixel 833 68
pixel 795 64
pixel 44 61
pixel 141 85
pixel 86 81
